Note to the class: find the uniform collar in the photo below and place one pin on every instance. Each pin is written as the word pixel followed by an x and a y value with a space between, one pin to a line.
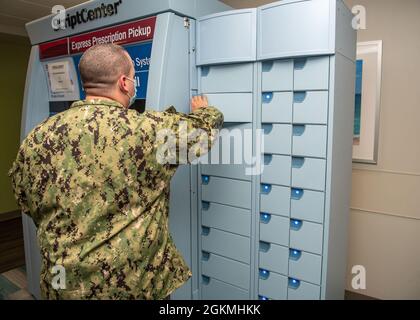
pixel 97 102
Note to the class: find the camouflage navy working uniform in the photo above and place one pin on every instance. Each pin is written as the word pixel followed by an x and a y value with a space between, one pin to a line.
pixel 90 180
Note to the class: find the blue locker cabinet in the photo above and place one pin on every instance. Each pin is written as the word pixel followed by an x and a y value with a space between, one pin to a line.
pixel 280 234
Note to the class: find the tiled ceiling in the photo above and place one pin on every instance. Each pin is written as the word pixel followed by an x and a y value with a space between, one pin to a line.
pixel 14 14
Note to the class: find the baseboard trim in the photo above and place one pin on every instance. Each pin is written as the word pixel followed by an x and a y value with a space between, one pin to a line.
pixel 6 216
pixel 349 295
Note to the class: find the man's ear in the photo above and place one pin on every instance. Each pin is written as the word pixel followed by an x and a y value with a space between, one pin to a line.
pixel 122 84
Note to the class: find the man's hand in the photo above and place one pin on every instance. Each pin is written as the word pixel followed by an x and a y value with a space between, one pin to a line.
pixel 199 102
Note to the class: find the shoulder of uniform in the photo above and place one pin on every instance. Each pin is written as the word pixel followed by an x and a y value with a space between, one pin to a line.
pixel 96 102
pixel 153 115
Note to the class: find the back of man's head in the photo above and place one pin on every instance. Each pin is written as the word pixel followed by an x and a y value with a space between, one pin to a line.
pixel 102 65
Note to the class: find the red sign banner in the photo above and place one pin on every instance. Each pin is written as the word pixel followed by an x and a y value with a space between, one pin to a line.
pixel 54 49
pixel 127 33
pixel 137 31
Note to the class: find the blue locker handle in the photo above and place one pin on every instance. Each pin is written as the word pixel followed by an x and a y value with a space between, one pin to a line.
pixel 205 255
pixel 267 97
pixel 265 188
pixel 298 162
pixel 267 159
pixel 205 179
pixel 264 274
pixel 300 63
pixel 299 96
pixel 205 231
pixel 298 130
pixel 296 224
pixel 205 71
pixel 205 279
pixel 265 246
pixel 267 66
pixel 295 254
pixel 297 194
pixel 265 218
pixel 294 283
pixel 205 205
pixel 267 128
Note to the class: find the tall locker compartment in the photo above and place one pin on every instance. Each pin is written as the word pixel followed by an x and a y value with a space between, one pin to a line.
pixel 226 58
pixel 281 231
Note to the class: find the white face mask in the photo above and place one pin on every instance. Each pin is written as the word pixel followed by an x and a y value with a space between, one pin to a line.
pixel 133 98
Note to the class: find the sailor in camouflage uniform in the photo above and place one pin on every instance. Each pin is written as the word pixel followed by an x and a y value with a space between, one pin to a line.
pixel 90 180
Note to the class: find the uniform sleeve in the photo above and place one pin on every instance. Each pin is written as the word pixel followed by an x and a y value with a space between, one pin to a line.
pixel 16 175
pixel 183 138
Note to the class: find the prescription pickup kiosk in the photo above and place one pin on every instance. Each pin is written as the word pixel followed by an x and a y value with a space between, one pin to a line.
pixel 283 75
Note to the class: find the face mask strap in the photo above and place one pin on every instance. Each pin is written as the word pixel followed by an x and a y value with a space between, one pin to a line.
pixel 133 98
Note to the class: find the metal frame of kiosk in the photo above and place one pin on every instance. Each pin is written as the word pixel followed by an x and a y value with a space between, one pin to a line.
pixel 286 69
pixel 169 80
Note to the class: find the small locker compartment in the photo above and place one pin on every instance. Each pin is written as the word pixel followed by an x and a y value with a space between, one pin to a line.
pixel 228 78
pixel 307 205
pixel 310 107
pixel 277 75
pixel 212 289
pixel 275 200
pixel 273 257
pixel 305 266
pixel 226 218
pixel 277 138
pixel 225 244
pixel 306 236
pixel 236 107
pixel 233 171
pixel 226 191
pixel 276 169
pixel 274 229
pixel 310 141
pixel 226 270
pixel 308 173
pixel 232 153
pixel 312 73
pixel 301 290
pixel 276 107
pixel 272 285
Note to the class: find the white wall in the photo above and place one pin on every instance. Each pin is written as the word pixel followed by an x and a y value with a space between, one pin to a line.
pixel 385 216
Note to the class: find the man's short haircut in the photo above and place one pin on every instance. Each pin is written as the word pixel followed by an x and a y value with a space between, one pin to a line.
pixel 102 65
